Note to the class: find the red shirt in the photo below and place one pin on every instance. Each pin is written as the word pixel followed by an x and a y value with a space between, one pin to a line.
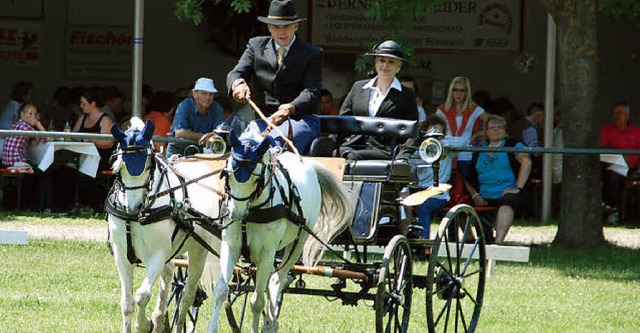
pixel 611 137
pixel 162 127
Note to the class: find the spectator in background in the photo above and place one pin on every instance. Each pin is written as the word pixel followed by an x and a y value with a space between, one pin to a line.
pixel 325 105
pixel 113 103
pixel 197 116
pixel 22 93
pixel 16 155
pixel 618 135
pixel 15 152
pixel 382 96
pixel 410 82
pixel 95 121
pixel 529 131
pixel 497 179
pixel 463 117
pixel 62 109
pixel 162 107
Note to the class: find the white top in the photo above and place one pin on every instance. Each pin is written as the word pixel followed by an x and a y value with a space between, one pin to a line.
pixel 375 95
pixel 467 133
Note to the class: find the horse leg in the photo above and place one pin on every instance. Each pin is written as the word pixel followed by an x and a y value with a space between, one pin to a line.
pixel 228 258
pixel 277 284
pixel 154 267
pixel 125 270
pixel 159 313
pixel 264 263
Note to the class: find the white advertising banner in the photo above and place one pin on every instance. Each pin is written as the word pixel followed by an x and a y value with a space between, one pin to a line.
pixel 99 52
pixel 20 42
pixel 473 25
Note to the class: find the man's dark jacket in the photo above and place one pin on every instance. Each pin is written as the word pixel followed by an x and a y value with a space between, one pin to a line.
pixel 298 81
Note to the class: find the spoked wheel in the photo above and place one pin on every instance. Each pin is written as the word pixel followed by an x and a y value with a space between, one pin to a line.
pixel 236 306
pixel 237 303
pixel 175 301
pixel 395 287
pixel 455 282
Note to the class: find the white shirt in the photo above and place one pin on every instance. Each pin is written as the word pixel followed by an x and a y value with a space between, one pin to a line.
pixel 375 95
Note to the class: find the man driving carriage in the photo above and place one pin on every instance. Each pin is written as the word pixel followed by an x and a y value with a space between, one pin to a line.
pixel 285 77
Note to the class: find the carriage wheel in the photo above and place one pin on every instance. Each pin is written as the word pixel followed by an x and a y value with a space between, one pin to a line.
pixel 455 285
pixel 238 299
pixel 236 306
pixel 175 298
pixel 395 287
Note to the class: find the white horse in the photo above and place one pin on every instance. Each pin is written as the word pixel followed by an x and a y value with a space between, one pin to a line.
pixel 299 194
pixel 148 226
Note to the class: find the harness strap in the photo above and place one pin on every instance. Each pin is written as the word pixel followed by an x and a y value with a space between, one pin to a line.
pixel 131 253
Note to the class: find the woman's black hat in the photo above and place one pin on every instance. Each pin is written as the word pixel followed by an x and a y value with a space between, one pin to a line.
pixel 281 12
pixel 389 49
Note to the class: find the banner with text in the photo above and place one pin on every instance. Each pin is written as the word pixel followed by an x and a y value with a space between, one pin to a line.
pixel 99 52
pixel 473 25
pixel 20 42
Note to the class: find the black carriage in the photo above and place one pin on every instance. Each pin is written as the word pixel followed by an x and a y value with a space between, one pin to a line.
pixel 455 278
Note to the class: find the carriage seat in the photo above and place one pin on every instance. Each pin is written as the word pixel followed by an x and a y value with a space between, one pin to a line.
pixel 342 127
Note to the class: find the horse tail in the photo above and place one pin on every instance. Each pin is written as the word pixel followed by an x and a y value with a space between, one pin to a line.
pixel 336 214
pixel 210 274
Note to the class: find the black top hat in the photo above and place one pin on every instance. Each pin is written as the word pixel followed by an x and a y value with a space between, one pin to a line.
pixel 281 12
pixel 387 48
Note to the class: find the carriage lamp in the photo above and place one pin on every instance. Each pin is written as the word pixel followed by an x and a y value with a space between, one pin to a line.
pixel 431 151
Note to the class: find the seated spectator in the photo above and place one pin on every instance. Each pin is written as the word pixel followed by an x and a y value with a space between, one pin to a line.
pixel 94 120
pixel 618 135
pixel 197 116
pixel 325 105
pixel 495 179
pixel 15 152
pixel 410 82
pixel 162 109
pixel 22 93
pixel 16 155
pixel 114 100
pixel 528 129
pixel 62 109
pixel 382 96
pixel 433 124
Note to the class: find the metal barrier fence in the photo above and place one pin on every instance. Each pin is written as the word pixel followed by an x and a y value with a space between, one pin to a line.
pixel 82 136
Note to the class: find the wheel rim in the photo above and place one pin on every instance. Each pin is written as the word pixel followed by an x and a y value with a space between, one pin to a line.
pixel 236 305
pixel 455 285
pixel 395 287
pixel 175 301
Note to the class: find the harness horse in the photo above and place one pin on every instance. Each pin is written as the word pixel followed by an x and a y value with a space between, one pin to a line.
pixel 154 215
pixel 277 199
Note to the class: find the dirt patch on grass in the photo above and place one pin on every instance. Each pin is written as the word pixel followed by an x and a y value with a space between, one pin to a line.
pixel 618 236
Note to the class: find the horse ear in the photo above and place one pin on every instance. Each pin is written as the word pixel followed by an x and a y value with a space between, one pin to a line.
pixel 117 133
pixel 264 145
pixel 235 142
pixel 147 132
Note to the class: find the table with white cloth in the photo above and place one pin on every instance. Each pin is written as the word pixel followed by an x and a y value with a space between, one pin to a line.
pixel 88 157
pixel 616 163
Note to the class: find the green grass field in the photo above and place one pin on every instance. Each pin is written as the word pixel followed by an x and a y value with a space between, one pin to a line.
pixel 72 286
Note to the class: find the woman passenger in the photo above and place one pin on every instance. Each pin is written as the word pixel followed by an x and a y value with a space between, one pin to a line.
pixel 382 96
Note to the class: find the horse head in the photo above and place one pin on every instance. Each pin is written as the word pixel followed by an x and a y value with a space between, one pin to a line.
pixel 247 152
pixel 134 163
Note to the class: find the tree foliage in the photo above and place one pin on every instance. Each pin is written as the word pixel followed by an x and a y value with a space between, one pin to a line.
pixel 192 9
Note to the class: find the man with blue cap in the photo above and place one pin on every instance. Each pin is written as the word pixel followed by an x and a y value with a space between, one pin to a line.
pixel 285 76
pixel 196 117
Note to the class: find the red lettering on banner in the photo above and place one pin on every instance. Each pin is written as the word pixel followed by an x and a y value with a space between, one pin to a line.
pixel 108 38
pixel 8 35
